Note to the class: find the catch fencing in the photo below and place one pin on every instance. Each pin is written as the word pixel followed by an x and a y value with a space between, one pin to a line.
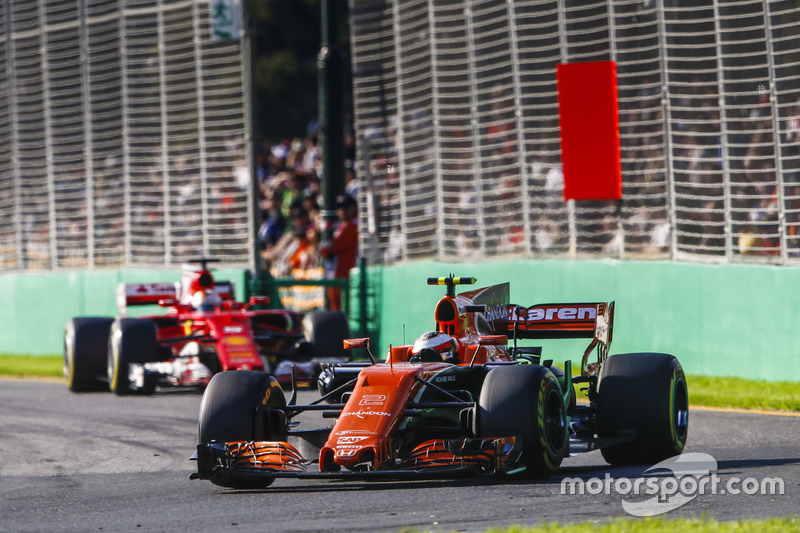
pixel 457 113
pixel 122 135
pixel 124 131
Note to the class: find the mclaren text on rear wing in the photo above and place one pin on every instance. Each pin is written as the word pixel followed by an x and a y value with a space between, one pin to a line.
pixel 566 321
pixel 560 321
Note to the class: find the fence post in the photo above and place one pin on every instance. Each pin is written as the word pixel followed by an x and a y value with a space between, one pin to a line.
pixel 776 129
pixel 48 142
pixel 88 156
pixel 400 134
pixel 670 177
pixel 437 123
pixel 726 170
pixel 520 124
pixel 476 131
pixel 20 241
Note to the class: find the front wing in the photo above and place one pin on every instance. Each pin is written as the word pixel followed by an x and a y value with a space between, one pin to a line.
pixel 236 463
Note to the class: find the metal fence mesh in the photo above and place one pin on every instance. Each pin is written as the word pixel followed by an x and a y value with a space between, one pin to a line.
pixel 122 135
pixel 123 131
pixel 457 107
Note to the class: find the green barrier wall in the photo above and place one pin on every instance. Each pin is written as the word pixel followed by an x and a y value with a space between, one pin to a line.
pixel 721 320
pixel 37 305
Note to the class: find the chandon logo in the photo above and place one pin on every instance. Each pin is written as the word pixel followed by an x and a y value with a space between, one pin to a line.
pixel 364 413
pixel 496 312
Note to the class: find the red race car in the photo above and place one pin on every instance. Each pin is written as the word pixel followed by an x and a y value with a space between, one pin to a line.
pixel 459 400
pixel 204 331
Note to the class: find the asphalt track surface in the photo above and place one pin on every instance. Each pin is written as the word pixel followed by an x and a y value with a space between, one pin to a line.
pixel 96 462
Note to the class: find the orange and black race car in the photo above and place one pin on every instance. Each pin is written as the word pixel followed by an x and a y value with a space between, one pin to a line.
pixel 459 400
pixel 204 331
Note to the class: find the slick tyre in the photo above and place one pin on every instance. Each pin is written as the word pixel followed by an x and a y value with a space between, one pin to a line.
pixel 231 411
pixel 644 394
pixel 525 401
pixel 85 349
pixel 326 330
pixel 132 340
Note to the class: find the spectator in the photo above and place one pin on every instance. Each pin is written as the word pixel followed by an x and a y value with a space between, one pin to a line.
pixel 287 252
pixel 273 223
pixel 351 183
pixel 341 252
pixel 311 162
pixel 296 184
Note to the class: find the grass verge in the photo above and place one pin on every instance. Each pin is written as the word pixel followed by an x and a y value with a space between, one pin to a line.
pixel 32 366
pixel 743 393
pixel 665 525
pixel 740 393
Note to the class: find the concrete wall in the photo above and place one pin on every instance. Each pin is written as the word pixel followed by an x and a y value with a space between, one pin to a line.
pixel 36 306
pixel 723 320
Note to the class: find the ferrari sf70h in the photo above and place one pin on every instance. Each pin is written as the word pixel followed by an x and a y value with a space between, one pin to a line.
pixel 204 331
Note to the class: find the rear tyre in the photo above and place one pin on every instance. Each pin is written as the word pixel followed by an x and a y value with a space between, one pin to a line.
pixel 326 330
pixel 228 413
pixel 132 340
pixel 85 349
pixel 525 401
pixel 646 393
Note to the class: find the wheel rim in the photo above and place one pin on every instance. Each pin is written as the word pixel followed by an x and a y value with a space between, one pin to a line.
pixel 679 414
pixel 113 367
pixel 554 423
pixel 69 364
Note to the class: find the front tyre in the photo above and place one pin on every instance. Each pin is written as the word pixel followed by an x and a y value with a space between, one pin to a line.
pixel 232 410
pixel 132 341
pixel 525 401
pixel 645 393
pixel 85 349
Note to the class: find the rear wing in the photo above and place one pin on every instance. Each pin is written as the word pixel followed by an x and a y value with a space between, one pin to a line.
pixel 132 294
pixel 566 321
pixel 560 321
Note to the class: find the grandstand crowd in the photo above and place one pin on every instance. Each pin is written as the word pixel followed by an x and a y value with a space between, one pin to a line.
pixel 290 171
pixel 724 165
pixel 289 174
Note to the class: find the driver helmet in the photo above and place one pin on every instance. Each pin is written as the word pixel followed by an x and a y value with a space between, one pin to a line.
pixel 201 281
pixel 206 300
pixel 435 346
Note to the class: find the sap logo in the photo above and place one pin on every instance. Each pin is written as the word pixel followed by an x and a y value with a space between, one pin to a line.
pixel 562 313
pixel 372 399
pixel 349 440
